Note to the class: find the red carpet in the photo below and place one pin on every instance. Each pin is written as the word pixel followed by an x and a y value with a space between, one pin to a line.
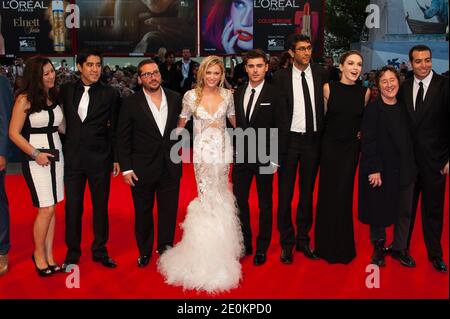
pixel 302 280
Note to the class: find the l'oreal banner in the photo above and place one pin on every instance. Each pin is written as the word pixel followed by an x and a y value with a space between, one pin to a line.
pixel 275 20
pixel 33 27
pixel 235 26
pixel 137 26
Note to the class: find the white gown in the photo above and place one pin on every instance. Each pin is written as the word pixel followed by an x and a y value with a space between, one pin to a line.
pixel 207 257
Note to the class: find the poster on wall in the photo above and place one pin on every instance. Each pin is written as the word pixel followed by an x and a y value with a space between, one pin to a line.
pixel 426 16
pixel 276 19
pixel 28 27
pixel 233 26
pixel 136 26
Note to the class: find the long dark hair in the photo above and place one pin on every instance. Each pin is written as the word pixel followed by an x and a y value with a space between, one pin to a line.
pixel 33 86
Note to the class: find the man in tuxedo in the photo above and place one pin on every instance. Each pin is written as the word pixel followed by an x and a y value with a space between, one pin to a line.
pixel 90 109
pixel 146 121
pixel 185 69
pixel 6 102
pixel 302 86
pixel 425 97
pixel 258 106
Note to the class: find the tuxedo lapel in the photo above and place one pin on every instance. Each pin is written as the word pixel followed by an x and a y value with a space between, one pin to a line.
pixel 94 100
pixel 258 102
pixel 290 87
pixel 70 99
pixel 317 89
pixel 170 111
pixel 431 93
pixel 146 109
pixel 240 106
pixel 408 95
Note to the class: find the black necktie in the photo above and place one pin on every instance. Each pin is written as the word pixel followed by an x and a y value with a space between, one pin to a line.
pixel 308 106
pixel 249 106
pixel 419 97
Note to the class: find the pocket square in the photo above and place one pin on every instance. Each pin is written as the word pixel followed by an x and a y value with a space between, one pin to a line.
pixel 264 104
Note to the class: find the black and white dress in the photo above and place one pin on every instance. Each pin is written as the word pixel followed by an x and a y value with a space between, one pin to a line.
pixel 41 131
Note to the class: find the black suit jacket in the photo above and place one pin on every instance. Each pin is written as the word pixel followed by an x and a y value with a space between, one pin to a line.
pixel 90 145
pixel 179 67
pixel 282 79
pixel 269 112
pixel 141 147
pixel 430 128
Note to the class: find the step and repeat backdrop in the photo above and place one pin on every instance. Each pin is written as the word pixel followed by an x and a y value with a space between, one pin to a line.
pixel 140 27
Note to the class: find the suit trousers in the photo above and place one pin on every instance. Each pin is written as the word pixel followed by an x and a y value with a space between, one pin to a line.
pixel 303 150
pixel 401 227
pixel 242 176
pixel 432 189
pixel 166 189
pixel 99 185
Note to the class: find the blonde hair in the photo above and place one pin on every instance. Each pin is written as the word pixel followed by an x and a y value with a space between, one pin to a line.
pixel 206 63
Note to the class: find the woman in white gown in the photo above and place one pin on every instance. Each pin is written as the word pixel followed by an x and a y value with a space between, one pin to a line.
pixel 207 257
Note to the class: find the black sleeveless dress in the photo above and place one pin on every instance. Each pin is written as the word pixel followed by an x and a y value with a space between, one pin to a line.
pixel 339 157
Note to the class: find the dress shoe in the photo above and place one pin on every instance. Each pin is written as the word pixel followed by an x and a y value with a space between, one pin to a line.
pixel 143 261
pixel 3 264
pixel 439 264
pixel 259 259
pixel 404 257
pixel 378 254
pixel 306 251
pixel 388 249
pixel 41 272
pixel 65 266
pixel 286 256
pixel 248 251
pixel 105 261
pixel 163 249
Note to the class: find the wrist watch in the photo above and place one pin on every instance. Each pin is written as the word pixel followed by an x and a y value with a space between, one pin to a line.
pixel 35 153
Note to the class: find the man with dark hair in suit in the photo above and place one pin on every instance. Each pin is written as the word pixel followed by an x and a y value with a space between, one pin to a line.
pixel 425 97
pixel 90 110
pixel 146 121
pixel 6 102
pixel 302 86
pixel 259 106
pixel 185 68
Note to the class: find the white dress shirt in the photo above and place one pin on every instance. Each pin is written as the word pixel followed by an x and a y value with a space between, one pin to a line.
pixel 299 115
pixel 184 70
pixel 248 93
pixel 84 104
pixel 426 83
pixel 160 115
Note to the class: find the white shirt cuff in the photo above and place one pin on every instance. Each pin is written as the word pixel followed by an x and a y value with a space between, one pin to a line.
pixel 127 172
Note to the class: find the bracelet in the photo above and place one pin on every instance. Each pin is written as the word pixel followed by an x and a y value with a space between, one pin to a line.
pixel 35 153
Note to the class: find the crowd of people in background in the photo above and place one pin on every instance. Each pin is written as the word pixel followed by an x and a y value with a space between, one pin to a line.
pixel 323 115
pixel 125 78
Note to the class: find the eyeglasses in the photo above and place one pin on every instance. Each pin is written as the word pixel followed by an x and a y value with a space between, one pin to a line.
pixel 150 74
pixel 304 49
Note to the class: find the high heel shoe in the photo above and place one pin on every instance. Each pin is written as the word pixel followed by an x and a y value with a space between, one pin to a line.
pixel 54 268
pixel 41 272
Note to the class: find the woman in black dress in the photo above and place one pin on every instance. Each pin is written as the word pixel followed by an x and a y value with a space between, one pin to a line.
pixel 387 170
pixel 344 102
